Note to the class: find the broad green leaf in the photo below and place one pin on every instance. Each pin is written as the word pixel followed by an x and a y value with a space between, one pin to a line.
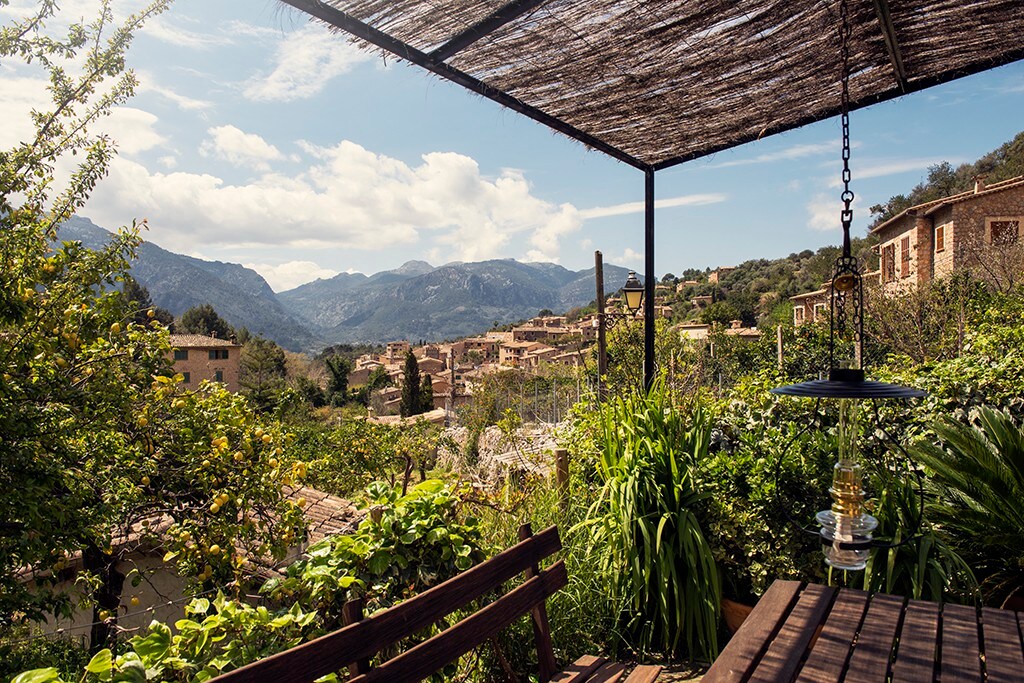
pixel 48 675
pixel 100 664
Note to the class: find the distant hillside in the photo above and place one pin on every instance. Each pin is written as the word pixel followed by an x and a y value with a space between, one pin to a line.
pixel 758 291
pixel 175 282
pixel 943 180
pixel 417 301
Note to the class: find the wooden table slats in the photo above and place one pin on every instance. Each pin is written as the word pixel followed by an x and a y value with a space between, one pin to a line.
pixel 1004 656
pixel 831 650
pixel 816 634
pixel 737 663
pixel 873 650
pixel 916 650
pixel 783 656
pixel 960 658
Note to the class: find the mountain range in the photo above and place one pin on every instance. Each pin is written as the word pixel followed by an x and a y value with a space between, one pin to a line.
pixel 416 301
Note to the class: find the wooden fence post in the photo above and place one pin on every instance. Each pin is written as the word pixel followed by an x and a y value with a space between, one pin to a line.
pixel 779 346
pixel 562 475
pixel 541 629
pixel 351 612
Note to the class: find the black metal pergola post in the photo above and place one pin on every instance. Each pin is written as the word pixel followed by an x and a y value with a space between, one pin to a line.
pixel 649 278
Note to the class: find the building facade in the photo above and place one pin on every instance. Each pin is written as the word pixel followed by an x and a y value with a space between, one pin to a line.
pixel 198 357
pixel 966 230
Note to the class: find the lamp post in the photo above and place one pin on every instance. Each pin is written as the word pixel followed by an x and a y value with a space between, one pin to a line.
pixel 633 296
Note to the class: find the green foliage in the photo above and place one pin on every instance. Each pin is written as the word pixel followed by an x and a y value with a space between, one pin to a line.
pixel 377 379
pixel 411 404
pixel 215 637
pixel 262 371
pixel 926 567
pixel 204 320
pixel 977 473
pixel 645 534
pixel 346 458
pixel 720 313
pixel 752 495
pixel 72 372
pixel 426 394
pixel 137 299
pixel 218 473
pixel 26 649
pixel 338 369
pixel 406 543
pixel 928 323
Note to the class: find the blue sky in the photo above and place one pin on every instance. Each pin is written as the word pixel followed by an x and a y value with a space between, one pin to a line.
pixel 259 138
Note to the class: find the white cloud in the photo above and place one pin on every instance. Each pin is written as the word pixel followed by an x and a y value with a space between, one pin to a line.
pixel 788 154
pixel 823 212
pixel 247 30
pixel 347 198
pixel 239 148
pixel 638 207
pixel 887 167
pixel 162 29
pixel 290 275
pixel 147 83
pixel 133 129
pixel 305 62
pixel 18 96
pixel 629 258
pixel 168 161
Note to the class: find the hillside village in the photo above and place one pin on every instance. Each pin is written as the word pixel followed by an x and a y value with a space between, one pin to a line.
pixel 975 230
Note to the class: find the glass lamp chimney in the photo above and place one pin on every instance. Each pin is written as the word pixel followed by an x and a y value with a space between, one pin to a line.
pixel 845 528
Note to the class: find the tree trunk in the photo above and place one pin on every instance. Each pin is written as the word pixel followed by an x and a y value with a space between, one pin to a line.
pixel 107 596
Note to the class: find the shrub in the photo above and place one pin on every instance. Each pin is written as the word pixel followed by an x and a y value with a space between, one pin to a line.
pixel 646 539
pixel 977 473
pixel 405 545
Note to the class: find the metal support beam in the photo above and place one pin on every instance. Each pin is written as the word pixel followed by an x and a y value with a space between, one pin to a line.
pixel 892 46
pixel 649 278
pixel 602 341
pixel 347 22
pixel 490 24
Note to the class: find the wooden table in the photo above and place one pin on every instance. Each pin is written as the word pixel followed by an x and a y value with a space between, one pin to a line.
pixel 807 632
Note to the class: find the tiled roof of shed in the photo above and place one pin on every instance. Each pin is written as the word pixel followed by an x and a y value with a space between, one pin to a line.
pixel 192 341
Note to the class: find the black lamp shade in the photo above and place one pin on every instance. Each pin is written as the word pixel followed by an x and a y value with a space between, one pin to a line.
pixel 633 292
pixel 848 383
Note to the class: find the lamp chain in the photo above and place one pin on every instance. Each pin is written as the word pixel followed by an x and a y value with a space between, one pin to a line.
pixel 847 196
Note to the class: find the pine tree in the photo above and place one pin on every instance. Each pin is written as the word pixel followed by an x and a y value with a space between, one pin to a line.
pixel 411 387
pixel 205 320
pixel 140 301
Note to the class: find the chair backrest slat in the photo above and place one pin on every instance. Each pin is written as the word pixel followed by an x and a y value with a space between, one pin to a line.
pixel 447 646
pixel 365 638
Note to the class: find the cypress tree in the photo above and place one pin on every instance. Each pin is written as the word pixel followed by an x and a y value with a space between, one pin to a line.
pixel 426 394
pixel 410 404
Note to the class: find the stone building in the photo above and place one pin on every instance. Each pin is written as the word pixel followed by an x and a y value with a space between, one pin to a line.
pixel 973 229
pixel 198 357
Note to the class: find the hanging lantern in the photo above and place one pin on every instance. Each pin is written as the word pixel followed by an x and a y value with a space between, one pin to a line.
pixel 846 530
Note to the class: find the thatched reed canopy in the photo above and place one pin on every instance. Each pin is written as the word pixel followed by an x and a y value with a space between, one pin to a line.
pixel 658 82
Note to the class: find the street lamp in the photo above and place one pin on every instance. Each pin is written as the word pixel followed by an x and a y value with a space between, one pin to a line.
pixel 633 293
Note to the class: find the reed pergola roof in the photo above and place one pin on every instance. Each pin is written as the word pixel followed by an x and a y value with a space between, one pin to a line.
pixel 655 83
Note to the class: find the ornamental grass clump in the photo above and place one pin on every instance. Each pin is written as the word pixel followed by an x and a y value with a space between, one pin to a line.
pixel 646 538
